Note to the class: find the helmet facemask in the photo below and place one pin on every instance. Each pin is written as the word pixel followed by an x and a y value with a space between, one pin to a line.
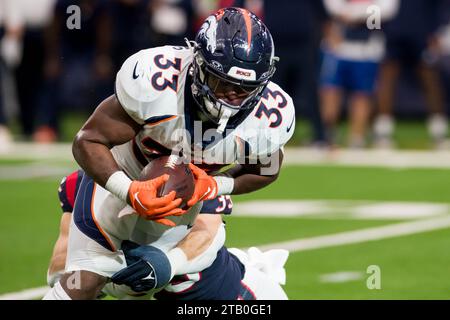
pixel 205 88
pixel 233 62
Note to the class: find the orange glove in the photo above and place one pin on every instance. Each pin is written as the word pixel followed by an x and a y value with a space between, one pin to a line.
pixel 160 218
pixel 143 198
pixel 205 186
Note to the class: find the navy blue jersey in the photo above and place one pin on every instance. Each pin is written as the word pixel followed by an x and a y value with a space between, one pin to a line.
pixel 220 281
pixel 70 184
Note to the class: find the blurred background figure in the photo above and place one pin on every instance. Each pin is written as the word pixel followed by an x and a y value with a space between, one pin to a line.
pixel 412 45
pixel 171 21
pixel 78 67
pixel 53 73
pixel 11 31
pixel 35 17
pixel 296 30
pixel 204 8
pixel 351 55
pixel 443 55
pixel 131 29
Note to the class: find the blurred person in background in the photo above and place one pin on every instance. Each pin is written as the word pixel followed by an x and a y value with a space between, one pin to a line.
pixel 443 52
pixel 131 28
pixel 171 21
pixel 296 30
pixel 412 43
pixel 352 53
pixel 11 30
pixel 203 8
pixel 34 17
pixel 78 68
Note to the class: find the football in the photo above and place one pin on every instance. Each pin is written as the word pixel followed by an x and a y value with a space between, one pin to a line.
pixel 181 179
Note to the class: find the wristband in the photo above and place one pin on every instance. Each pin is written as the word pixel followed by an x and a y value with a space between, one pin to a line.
pixel 118 184
pixel 177 259
pixel 225 185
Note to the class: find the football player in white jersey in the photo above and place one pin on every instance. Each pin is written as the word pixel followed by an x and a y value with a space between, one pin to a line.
pixel 234 274
pixel 213 103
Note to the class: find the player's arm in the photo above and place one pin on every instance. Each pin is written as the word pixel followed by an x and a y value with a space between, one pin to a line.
pixel 109 126
pixel 244 178
pixel 58 259
pixel 251 177
pixel 200 246
pixel 149 267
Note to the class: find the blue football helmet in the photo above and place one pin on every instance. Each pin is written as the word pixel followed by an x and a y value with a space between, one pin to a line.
pixel 233 63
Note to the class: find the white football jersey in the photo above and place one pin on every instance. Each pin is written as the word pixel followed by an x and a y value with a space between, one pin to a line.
pixel 151 87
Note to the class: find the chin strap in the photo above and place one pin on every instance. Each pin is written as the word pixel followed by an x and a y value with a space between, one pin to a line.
pixel 226 114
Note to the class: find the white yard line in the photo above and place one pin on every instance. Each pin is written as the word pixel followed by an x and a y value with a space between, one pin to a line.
pixel 28 294
pixel 33 170
pixel 363 235
pixel 338 239
pixel 340 209
pixel 370 158
pixel 293 156
pixel 35 151
pixel 341 276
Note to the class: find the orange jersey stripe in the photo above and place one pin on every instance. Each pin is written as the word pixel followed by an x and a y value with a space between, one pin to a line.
pixel 219 14
pixel 248 24
pixel 161 121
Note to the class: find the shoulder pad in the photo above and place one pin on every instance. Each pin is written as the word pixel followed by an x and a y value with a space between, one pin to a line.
pixel 147 83
pixel 274 121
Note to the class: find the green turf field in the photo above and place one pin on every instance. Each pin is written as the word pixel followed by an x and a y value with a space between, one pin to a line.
pixel 408 134
pixel 412 266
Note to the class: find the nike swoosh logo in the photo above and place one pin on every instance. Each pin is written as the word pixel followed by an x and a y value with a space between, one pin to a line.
pixel 189 226
pixel 138 201
pixel 290 126
pixel 207 191
pixel 150 276
pixel 135 75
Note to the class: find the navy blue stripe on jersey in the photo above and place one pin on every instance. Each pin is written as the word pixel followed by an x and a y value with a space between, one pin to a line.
pixel 220 281
pixel 153 120
pixel 83 215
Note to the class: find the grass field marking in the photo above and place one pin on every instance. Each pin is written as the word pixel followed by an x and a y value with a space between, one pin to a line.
pixel 342 209
pixel 369 158
pixel 28 294
pixel 27 150
pixel 33 170
pixel 293 155
pixel 337 239
pixel 341 276
pixel 363 235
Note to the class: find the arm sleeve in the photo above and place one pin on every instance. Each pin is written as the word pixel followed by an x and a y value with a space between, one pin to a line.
pixel 205 259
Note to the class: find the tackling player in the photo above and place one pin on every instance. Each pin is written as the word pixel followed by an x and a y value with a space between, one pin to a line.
pixel 241 275
pixel 211 101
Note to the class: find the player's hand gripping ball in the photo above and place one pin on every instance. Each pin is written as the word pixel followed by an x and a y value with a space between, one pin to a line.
pixel 165 186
